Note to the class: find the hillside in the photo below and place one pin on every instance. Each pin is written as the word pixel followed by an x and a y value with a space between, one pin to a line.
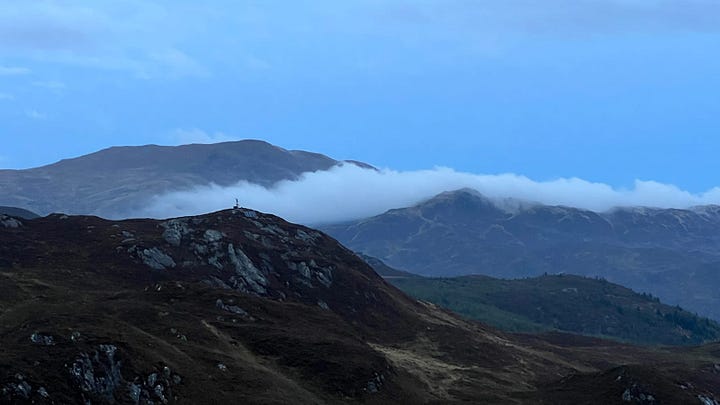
pixel 564 303
pixel 673 254
pixel 242 307
pixel 120 180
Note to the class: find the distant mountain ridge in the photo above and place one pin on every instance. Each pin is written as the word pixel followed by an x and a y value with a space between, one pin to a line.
pixel 120 180
pixel 18 213
pixel 671 253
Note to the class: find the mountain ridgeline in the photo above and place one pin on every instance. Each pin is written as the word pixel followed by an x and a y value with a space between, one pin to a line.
pixel 673 254
pixel 120 180
pixel 242 307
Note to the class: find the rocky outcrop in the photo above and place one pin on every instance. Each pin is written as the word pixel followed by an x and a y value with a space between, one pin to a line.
pixel 9 222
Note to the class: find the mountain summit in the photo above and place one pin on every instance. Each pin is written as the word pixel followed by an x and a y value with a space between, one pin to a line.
pixel 120 180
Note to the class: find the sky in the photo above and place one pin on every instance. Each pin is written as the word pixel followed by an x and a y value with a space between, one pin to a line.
pixel 608 91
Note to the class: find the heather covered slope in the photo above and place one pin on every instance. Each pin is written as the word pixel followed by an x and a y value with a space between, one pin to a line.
pixel 120 180
pixel 673 254
pixel 239 306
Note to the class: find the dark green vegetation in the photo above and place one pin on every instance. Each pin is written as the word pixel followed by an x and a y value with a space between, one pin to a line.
pixel 672 254
pixel 118 180
pixel 242 307
pixel 18 212
pixel 565 303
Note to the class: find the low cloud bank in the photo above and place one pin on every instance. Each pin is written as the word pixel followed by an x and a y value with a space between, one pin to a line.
pixel 348 192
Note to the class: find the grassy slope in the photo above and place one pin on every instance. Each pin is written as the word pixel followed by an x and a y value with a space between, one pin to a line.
pixel 566 303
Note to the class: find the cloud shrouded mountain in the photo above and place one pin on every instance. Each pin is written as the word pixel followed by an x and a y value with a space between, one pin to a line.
pixel 119 181
pixel 671 253
pixel 349 192
pixel 310 188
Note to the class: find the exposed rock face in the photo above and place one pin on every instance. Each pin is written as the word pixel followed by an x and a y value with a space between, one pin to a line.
pixel 9 222
pixel 98 374
pixel 156 258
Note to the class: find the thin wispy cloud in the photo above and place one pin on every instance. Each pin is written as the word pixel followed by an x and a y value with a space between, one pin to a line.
pixel 6 96
pixel 349 192
pixel 51 85
pixel 13 71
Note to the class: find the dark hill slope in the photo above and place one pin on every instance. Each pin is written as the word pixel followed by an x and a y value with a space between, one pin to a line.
pixel 673 254
pixel 119 180
pixel 18 212
pixel 566 303
pixel 242 307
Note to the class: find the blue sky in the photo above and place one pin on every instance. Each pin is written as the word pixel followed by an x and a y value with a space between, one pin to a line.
pixel 609 91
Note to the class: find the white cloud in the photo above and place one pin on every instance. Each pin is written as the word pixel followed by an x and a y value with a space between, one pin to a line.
pixel 35 115
pixel 194 135
pixel 6 96
pixel 349 192
pixel 13 71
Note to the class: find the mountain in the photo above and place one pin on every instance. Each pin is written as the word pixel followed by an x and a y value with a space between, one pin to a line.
pixel 565 303
pixel 671 253
pixel 120 180
pixel 18 212
pixel 242 307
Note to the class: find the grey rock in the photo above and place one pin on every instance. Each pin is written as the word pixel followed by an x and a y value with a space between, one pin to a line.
pixel 174 231
pixel 135 392
pixel 9 222
pixel 215 262
pixel 246 270
pixel 156 259
pixel 159 392
pixel 152 379
pixel 230 308
pixel 249 213
pixel 44 340
pixel 704 400
pixel 98 373
pixel 304 270
pixel 212 235
pixel 43 392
